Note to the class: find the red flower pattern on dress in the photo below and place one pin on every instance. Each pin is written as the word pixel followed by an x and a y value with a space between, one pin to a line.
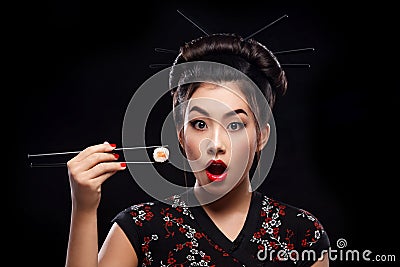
pixel 172 223
pixel 177 220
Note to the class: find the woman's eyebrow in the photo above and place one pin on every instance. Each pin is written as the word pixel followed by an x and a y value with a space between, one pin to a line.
pixel 200 110
pixel 228 114
pixel 235 112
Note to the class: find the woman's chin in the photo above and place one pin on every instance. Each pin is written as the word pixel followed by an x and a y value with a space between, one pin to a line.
pixel 215 187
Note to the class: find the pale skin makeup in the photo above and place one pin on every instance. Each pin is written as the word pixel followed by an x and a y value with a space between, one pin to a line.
pixel 220 126
pixel 225 131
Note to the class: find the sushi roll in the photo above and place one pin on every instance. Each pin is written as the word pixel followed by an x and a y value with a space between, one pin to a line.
pixel 160 154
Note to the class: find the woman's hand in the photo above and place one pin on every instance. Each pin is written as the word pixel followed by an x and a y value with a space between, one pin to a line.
pixel 87 171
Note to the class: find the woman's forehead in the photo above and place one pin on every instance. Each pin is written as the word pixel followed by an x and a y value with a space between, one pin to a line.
pixel 218 98
pixel 224 92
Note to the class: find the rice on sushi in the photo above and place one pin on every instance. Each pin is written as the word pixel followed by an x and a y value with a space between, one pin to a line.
pixel 160 154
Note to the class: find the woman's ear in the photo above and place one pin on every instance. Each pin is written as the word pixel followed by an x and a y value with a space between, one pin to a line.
pixel 179 133
pixel 181 139
pixel 264 136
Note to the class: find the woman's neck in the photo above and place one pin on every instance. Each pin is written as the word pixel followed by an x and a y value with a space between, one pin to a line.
pixel 238 199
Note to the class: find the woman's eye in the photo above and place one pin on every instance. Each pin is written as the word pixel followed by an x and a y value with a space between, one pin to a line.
pixel 199 124
pixel 235 126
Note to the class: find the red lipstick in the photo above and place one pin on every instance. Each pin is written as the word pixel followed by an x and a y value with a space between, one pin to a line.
pixel 216 171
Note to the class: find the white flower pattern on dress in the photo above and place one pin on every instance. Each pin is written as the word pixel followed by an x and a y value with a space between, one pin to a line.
pixel 271 238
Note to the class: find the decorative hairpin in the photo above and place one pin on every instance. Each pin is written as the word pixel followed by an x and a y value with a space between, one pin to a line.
pixel 163 50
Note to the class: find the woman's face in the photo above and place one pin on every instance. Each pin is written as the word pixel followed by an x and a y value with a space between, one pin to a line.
pixel 220 137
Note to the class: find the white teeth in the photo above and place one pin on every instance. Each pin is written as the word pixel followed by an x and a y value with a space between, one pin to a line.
pixel 160 154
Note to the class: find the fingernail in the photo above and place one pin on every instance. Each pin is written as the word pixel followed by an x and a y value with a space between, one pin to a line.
pixel 123 164
pixel 113 145
pixel 116 156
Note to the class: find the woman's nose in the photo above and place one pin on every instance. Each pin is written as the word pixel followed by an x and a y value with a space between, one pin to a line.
pixel 217 145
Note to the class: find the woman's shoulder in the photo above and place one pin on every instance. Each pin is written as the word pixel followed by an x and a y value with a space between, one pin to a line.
pixel 148 210
pixel 293 221
pixel 287 210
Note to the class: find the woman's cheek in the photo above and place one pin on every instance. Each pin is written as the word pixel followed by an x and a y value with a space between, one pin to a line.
pixel 243 141
pixel 192 148
pixel 239 154
pixel 243 144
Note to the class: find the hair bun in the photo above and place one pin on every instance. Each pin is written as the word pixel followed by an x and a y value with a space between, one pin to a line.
pixel 248 56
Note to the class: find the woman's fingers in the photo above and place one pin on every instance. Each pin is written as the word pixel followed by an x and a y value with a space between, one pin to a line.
pixel 92 160
pixel 87 172
pixel 103 171
pixel 105 147
pixel 91 180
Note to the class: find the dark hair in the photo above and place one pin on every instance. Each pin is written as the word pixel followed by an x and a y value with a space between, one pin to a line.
pixel 249 57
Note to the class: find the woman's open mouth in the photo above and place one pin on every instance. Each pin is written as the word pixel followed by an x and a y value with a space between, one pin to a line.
pixel 216 171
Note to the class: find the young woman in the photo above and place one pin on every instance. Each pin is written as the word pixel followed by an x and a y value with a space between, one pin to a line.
pixel 222 127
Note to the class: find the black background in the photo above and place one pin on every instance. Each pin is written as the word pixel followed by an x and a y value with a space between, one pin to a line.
pixel 81 62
